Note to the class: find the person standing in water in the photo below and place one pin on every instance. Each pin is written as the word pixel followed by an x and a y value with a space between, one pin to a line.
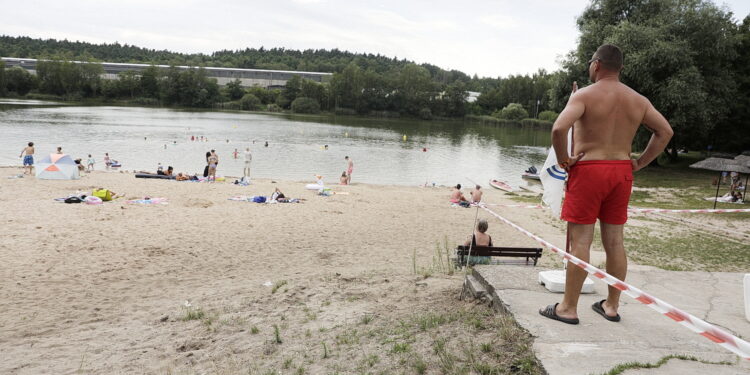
pixel 248 159
pixel 107 160
pixel 90 164
pixel 349 170
pixel 28 158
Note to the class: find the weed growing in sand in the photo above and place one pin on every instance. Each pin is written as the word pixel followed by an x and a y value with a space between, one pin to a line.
pixel 441 261
pixel 192 313
pixel 419 365
pixel 400 347
pixel 309 314
pixel 278 285
pixel 300 370
pixel 254 330
pixel 432 320
pixel 277 333
pixel 347 338
pixel 325 350
pixel 486 347
pixel 371 360
pixel 287 364
pixel 366 319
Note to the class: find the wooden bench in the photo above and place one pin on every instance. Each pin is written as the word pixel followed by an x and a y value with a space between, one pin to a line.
pixel 486 251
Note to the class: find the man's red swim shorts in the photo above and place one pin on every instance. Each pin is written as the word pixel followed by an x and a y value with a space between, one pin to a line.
pixel 598 189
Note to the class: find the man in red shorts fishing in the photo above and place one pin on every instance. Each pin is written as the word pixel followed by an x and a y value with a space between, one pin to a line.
pixel 605 117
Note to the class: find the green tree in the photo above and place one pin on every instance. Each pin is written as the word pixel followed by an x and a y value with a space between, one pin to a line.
pixel 19 81
pixel 150 82
pixel 678 53
pixel 2 79
pixel 291 90
pixel 347 87
pixel 250 102
pixel 550 116
pixel 513 111
pixel 453 101
pixel 128 84
pixel 234 89
pixel 734 133
pixel 305 105
pixel 414 89
pixel 316 91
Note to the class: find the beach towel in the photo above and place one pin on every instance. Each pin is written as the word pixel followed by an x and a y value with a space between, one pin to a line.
pixel 148 201
pixel 553 179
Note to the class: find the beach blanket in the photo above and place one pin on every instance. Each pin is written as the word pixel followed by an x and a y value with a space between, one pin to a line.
pixel 256 199
pixel 148 201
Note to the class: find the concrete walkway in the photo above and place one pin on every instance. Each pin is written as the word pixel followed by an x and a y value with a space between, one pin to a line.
pixel 596 345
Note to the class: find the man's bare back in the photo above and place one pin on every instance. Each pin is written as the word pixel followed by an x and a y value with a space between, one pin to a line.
pixel 607 115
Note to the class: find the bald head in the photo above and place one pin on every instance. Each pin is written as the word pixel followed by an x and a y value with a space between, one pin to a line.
pixel 609 56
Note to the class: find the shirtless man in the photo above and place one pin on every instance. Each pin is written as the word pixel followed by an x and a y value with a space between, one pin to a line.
pixel 456 195
pixel 349 170
pixel 476 194
pixel 606 115
pixel 28 159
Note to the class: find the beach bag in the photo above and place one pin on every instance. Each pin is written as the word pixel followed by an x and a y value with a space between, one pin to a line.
pixel 259 199
pixel 104 194
pixel 205 171
pixel 72 200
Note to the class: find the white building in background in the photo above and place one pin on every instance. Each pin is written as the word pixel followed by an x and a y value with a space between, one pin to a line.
pixel 247 77
pixel 473 95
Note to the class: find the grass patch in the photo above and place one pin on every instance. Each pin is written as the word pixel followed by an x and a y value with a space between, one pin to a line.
pixel 686 252
pixel 193 313
pixel 278 285
pixel 441 260
pixel 400 347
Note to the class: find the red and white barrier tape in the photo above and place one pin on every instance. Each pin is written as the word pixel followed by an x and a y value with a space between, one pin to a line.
pixel 692 211
pixel 639 210
pixel 727 340
pixel 511 205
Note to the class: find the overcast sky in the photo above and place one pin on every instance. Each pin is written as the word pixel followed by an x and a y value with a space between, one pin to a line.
pixel 489 38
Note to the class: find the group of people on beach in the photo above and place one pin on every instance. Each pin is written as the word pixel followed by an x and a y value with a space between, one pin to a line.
pixel 457 197
pixel 27 154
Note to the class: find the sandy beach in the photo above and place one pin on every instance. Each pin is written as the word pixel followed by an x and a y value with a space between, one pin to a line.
pixel 206 285
pixel 103 288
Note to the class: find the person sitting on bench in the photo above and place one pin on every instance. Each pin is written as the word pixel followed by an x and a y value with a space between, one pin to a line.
pixel 480 238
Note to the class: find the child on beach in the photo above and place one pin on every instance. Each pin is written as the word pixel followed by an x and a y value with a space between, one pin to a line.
pixel 343 179
pixel 28 159
pixel 90 164
pixel 213 160
pixel 107 160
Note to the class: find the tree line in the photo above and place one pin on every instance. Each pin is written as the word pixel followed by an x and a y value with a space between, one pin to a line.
pixel 689 57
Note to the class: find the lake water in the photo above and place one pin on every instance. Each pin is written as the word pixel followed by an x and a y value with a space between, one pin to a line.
pixel 457 152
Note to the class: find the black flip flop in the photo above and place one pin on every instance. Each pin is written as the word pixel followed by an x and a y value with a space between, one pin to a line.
pixel 597 306
pixel 551 312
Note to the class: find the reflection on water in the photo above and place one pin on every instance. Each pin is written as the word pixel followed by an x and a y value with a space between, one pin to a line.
pixel 139 138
